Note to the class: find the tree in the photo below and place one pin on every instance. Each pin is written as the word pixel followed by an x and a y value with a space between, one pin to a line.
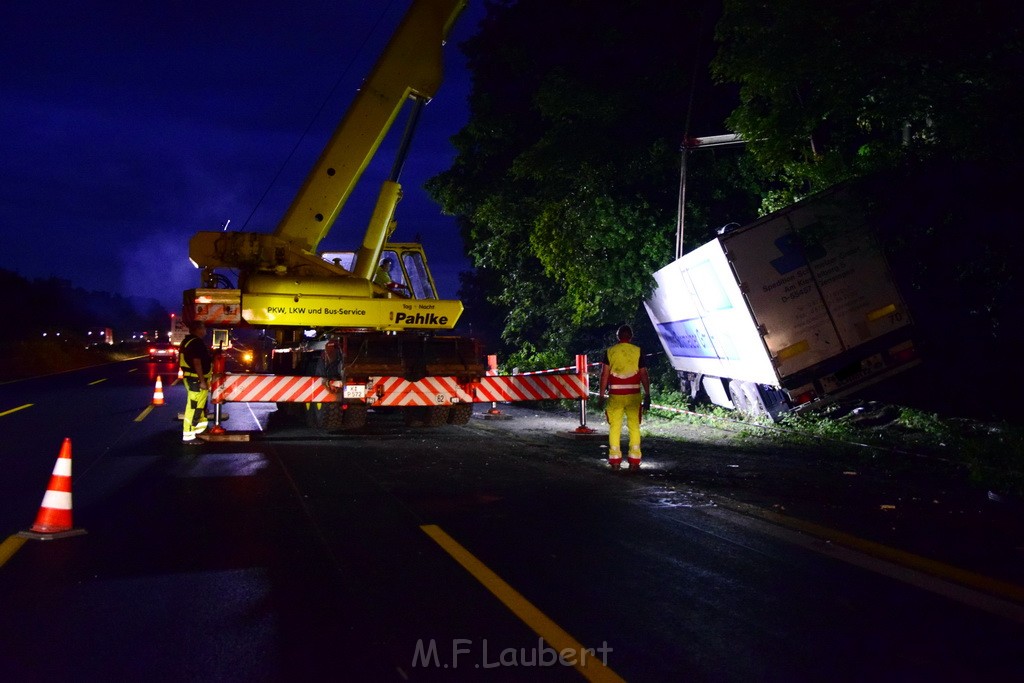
pixel 54 304
pixel 831 91
pixel 567 173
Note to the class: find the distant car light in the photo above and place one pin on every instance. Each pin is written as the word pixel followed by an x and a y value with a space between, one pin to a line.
pixel 163 351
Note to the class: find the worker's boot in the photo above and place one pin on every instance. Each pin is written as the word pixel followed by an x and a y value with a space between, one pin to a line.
pixel 614 458
pixel 634 458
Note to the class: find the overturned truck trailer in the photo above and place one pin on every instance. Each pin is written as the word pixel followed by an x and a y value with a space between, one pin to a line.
pixel 795 308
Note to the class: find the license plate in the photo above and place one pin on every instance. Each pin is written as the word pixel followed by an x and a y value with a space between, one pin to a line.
pixel 355 391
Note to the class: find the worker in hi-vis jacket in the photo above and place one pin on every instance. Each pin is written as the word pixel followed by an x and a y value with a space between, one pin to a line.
pixel 623 375
pixel 196 370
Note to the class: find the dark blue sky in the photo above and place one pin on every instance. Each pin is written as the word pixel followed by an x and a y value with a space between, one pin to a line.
pixel 127 127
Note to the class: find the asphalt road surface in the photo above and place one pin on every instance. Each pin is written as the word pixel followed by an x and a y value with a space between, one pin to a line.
pixel 500 550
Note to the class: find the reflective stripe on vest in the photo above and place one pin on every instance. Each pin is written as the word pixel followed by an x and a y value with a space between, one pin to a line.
pixel 624 385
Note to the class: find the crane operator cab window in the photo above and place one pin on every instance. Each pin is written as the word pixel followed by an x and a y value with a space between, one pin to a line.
pixel 406 277
pixel 421 286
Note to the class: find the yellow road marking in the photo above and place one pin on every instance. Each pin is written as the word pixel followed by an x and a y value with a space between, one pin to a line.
pixel 980 582
pixel 98 381
pixel 14 410
pixel 144 413
pixel 9 547
pixel 589 664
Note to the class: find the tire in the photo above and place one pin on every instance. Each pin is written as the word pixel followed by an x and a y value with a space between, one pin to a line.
pixel 328 417
pixel 747 399
pixel 738 396
pixel 354 416
pixel 755 402
pixel 425 416
pixel 460 413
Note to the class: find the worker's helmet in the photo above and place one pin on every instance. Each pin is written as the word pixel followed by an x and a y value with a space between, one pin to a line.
pixel 625 333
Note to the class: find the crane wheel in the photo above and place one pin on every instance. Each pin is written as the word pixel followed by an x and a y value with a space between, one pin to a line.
pixel 328 417
pixel 426 416
pixel 460 413
pixel 333 417
pixel 354 416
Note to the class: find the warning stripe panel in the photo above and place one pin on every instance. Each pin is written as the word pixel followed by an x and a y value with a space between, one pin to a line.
pixel 429 391
pixel 396 391
pixel 509 388
pixel 218 314
pixel 270 389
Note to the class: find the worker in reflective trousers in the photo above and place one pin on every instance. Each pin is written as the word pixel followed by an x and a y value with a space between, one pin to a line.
pixel 623 375
pixel 196 370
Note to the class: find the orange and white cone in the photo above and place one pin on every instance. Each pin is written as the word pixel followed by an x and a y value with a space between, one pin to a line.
pixel 181 373
pixel 158 392
pixel 54 518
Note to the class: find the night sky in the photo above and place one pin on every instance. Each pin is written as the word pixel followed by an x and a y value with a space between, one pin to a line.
pixel 127 127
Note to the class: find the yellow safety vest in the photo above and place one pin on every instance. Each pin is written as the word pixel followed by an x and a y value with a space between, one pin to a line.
pixel 186 369
pixel 624 366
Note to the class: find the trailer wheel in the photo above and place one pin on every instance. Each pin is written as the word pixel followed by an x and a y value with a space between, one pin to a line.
pixel 426 416
pixel 737 396
pixel 747 398
pixel 460 413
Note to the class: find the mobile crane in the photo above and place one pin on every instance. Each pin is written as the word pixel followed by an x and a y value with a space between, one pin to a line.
pixel 309 300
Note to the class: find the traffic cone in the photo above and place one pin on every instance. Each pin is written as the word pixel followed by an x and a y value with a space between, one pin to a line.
pixel 158 392
pixel 54 518
pixel 181 373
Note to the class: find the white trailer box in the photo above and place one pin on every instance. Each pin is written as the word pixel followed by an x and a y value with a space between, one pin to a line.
pixel 797 306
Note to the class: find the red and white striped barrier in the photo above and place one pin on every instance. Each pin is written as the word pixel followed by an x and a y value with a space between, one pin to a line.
pixel 230 388
pixel 510 388
pixel 429 391
pixel 552 371
pixel 396 391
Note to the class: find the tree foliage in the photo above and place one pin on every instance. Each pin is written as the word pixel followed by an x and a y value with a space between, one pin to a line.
pixel 567 172
pixel 831 91
pixel 54 305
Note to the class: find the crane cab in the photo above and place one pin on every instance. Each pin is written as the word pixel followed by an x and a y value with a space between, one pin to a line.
pixel 408 277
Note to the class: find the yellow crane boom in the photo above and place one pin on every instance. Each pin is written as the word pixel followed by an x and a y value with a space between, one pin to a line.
pixel 410 67
pixel 282 281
